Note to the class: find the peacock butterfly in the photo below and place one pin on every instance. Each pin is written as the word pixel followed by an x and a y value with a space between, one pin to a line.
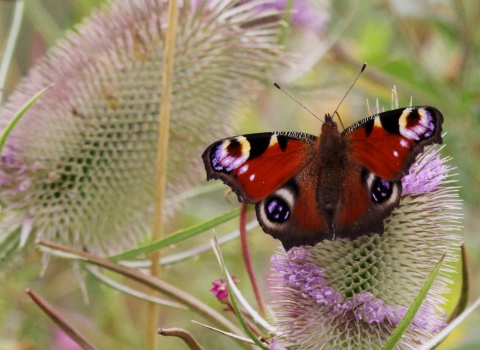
pixel 339 185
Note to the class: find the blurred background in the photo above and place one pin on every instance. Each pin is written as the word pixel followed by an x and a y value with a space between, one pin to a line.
pixel 428 50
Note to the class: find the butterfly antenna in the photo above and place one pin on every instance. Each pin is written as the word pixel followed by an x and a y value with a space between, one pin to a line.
pixel 286 93
pixel 351 86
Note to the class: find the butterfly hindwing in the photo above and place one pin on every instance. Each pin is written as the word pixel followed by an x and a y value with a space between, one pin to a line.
pixel 366 201
pixel 255 165
pixel 290 213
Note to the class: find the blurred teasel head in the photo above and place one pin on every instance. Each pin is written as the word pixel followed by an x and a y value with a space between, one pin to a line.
pixel 345 294
pixel 79 167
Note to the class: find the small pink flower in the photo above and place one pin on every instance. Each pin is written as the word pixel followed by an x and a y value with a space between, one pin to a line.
pixel 220 290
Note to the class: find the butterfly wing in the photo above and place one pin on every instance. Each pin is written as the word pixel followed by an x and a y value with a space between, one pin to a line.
pixel 366 201
pixel 380 150
pixel 387 143
pixel 269 169
pixel 255 165
pixel 291 214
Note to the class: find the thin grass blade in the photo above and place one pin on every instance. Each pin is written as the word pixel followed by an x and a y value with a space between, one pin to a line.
pixel 16 118
pixel 462 302
pixel 228 334
pixel 179 236
pixel 130 291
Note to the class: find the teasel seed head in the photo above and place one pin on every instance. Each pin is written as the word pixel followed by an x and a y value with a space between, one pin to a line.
pixel 351 294
pixel 79 167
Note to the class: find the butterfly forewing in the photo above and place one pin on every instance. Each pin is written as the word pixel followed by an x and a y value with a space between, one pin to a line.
pixel 255 165
pixel 387 143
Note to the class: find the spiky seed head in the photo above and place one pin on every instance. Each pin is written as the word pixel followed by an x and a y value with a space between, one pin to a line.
pixel 345 294
pixel 79 168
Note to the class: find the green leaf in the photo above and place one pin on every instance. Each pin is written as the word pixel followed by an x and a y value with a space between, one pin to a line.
pixel 179 236
pixel 18 116
pixel 238 313
pixel 408 318
pixel 463 300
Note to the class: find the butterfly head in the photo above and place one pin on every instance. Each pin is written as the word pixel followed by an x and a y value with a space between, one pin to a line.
pixel 329 123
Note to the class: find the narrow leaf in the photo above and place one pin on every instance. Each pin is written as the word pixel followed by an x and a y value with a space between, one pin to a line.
pixel 228 334
pixel 255 315
pixel 130 291
pixel 11 42
pixel 408 318
pixel 462 302
pixel 190 253
pixel 150 281
pixel 179 236
pixel 229 283
pixel 16 118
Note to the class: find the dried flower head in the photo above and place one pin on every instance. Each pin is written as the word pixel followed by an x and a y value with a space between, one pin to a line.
pixel 345 294
pixel 80 166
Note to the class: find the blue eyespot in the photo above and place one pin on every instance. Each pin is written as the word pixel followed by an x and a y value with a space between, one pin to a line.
pixel 277 210
pixel 381 190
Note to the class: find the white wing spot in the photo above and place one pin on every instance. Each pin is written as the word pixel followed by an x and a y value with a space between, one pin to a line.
pixel 252 177
pixel 395 153
pixel 243 169
pixel 404 143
